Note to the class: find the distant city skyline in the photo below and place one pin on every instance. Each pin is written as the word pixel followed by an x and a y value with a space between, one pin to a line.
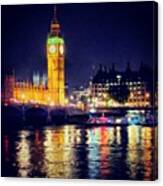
pixel 103 33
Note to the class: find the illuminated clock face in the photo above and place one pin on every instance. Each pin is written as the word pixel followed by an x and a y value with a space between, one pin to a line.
pixel 61 49
pixel 52 49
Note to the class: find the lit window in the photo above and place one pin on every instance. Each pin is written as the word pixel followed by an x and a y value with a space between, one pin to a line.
pixel 118 76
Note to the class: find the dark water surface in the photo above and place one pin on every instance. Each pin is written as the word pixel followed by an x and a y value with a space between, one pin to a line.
pixel 71 151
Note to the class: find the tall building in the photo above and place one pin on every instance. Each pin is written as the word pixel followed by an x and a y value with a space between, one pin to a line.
pixel 55 60
pixel 50 89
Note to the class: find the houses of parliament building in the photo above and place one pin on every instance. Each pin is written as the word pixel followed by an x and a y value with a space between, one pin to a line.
pixel 50 93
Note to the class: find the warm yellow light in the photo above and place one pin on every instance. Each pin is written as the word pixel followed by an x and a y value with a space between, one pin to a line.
pixel 131 95
pixel 105 95
pixel 48 98
pixel 89 100
pixel 147 95
pixel 66 101
pixel 51 104
pixel 23 96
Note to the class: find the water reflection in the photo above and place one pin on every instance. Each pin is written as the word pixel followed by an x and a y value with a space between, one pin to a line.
pixel 133 152
pixel 6 147
pixel 146 143
pixel 37 153
pixel 77 152
pixel 23 154
pixel 58 154
pixel 140 155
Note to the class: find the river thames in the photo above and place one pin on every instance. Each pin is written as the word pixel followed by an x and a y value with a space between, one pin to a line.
pixel 72 151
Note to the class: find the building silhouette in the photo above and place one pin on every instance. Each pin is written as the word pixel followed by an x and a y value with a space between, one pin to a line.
pixel 110 87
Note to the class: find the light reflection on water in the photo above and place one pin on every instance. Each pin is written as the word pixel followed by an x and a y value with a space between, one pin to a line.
pixel 76 152
pixel 23 154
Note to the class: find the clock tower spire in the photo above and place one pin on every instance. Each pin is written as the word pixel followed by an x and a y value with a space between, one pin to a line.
pixel 55 26
pixel 55 14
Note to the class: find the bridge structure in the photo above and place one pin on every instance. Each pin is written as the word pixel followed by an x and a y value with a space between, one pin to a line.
pixel 45 113
pixel 41 115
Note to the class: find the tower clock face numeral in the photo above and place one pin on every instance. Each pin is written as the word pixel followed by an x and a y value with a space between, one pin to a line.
pixel 61 49
pixel 52 49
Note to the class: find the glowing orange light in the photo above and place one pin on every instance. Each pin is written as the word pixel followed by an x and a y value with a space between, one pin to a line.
pixel 147 95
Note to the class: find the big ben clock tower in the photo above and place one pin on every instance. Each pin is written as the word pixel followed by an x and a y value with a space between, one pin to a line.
pixel 55 60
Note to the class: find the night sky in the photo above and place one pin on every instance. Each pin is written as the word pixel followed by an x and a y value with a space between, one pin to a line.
pixel 94 33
